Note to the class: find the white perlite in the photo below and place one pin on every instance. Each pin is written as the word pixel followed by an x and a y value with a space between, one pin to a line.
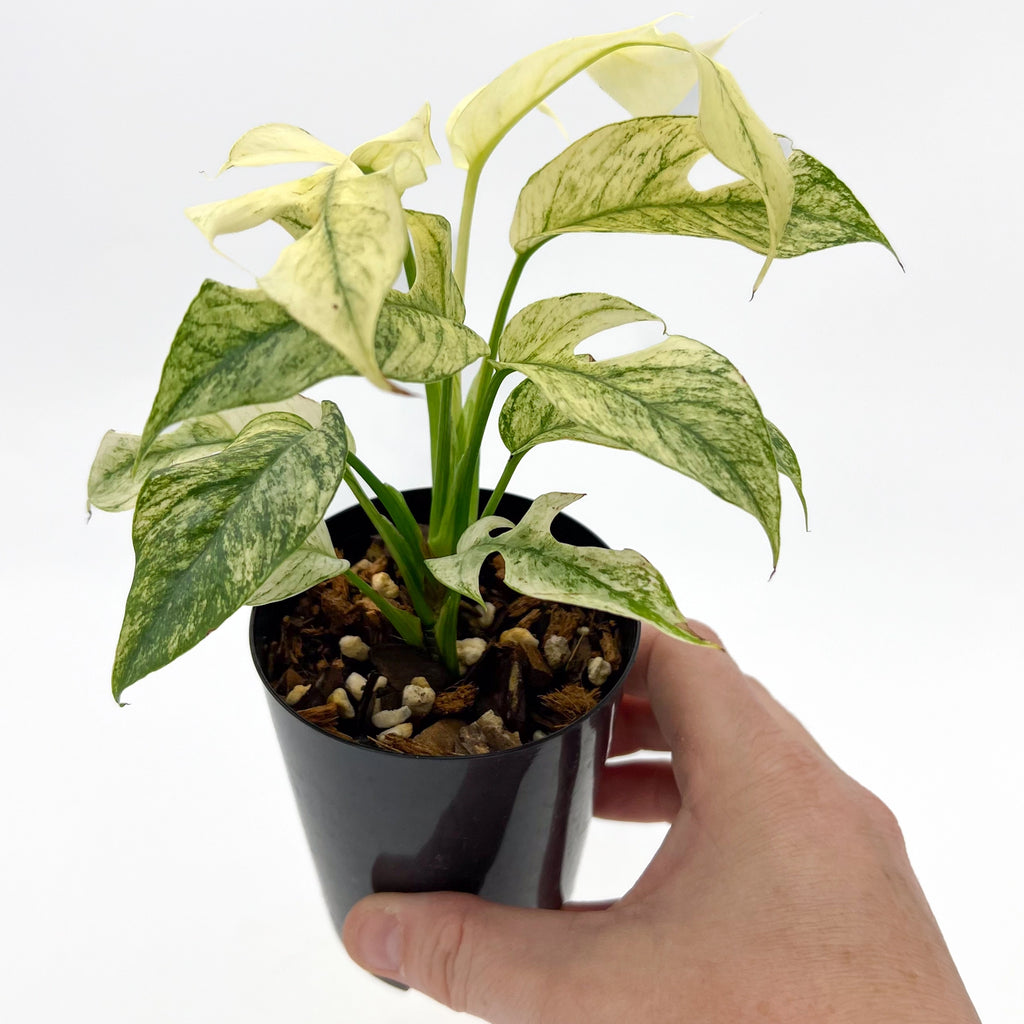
pixel 556 650
pixel 470 651
pixel 340 698
pixel 484 616
pixel 295 694
pixel 598 671
pixel 353 647
pixel 404 731
pixel 418 697
pixel 386 719
pixel 355 685
pixel 384 585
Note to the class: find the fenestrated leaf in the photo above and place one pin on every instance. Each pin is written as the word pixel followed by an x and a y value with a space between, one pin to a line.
pixel 411 139
pixel 527 419
pixel 785 459
pixel 118 473
pixel 311 564
pixel 280 144
pixel 620 582
pixel 680 403
pixel 649 80
pixel 209 533
pixel 551 329
pixel 731 129
pixel 634 177
pixel 334 279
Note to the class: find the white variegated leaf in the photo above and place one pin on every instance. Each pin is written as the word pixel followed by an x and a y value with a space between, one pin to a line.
pixel 296 205
pixel 280 144
pixel 620 582
pixel 680 403
pixel 650 80
pixel 311 564
pixel 550 330
pixel 733 132
pixel 118 471
pixel 334 279
pixel 634 177
pixel 408 149
pixel 210 532
pixel 483 118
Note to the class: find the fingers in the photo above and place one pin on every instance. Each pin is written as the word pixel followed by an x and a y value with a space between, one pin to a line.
pixel 493 961
pixel 635 727
pixel 711 716
pixel 638 791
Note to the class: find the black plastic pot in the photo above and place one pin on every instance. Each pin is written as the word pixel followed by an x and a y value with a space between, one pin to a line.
pixel 508 826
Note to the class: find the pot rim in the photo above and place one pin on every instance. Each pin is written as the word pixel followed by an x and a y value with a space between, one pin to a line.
pixel 613 694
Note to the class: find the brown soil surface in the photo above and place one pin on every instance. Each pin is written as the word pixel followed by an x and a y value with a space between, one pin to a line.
pixel 535 667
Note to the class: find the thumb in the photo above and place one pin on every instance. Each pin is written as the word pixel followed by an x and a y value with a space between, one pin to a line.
pixel 493 961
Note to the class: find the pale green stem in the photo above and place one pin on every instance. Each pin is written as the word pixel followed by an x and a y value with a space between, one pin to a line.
pixel 499 491
pixel 465 224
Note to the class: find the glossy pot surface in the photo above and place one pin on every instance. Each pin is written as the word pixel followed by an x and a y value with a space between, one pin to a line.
pixel 508 826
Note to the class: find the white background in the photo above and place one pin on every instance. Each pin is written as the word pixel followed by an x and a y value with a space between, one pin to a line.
pixel 153 866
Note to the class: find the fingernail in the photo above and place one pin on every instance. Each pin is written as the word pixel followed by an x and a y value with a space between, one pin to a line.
pixel 379 942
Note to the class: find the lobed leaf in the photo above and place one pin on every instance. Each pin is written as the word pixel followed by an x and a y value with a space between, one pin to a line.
pixel 334 279
pixel 123 461
pixel 678 402
pixel 634 177
pixel 620 582
pixel 208 534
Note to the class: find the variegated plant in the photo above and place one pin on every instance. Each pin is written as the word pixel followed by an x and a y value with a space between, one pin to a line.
pixel 229 504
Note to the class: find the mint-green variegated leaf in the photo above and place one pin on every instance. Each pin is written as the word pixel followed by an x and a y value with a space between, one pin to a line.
pixel 114 487
pixel 634 177
pixel 118 471
pixel 435 287
pixel 334 279
pixel 619 582
pixel 237 347
pixel 739 139
pixel 551 329
pixel 649 80
pixel 209 533
pixel 785 459
pixel 683 405
pixel 408 149
pixel 280 144
pixel 527 419
pixel 311 564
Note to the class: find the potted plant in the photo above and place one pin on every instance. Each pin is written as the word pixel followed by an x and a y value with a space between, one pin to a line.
pixel 442 665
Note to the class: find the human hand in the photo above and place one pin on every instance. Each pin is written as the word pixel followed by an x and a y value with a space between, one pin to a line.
pixel 782 891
